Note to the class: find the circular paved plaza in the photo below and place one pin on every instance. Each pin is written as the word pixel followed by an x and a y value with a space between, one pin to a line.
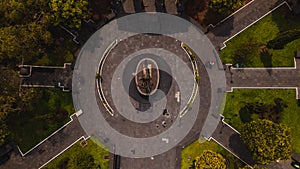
pixel 188 98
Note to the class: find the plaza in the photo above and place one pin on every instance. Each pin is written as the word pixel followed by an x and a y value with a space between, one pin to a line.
pixel 144 128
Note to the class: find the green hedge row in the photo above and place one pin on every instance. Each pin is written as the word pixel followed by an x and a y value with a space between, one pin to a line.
pixel 284 38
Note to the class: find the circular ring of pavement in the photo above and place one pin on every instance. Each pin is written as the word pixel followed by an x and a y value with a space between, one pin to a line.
pixel 83 84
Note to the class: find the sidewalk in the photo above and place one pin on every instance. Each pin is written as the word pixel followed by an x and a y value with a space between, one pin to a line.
pixel 240 21
pixel 47 149
pixel 229 138
pixel 263 77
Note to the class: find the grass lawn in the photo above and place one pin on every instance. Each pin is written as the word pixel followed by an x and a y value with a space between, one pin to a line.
pixel 92 148
pixel 189 153
pixel 51 111
pixel 290 115
pixel 259 34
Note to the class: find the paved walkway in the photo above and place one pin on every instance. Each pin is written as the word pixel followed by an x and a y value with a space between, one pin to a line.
pixel 230 139
pixel 48 149
pixel 240 20
pixel 263 77
pixel 43 76
pixel 135 6
pixel 166 160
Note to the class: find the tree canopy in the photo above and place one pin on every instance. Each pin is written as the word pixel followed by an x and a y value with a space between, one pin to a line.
pixel 226 6
pixel 210 160
pixel 268 141
pixel 16 12
pixel 8 99
pixel 23 41
pixel 68 12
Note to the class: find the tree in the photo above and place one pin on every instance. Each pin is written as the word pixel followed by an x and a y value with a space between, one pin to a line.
pixel 8 99
pixel 11 12
pixel 226 6
pixel 210 160
pixel 3 133
pixel 23 41
pixel 81 160
pixel 21 12
pixel 68 12
pixel 268 141
pixel 8 92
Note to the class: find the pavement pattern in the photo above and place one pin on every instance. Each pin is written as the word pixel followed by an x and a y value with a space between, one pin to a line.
pixel 122 28
pixel 235 78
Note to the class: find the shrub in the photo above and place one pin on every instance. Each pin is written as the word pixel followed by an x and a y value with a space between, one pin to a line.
pixel 209 159
pixel 226 6
pixel 267 141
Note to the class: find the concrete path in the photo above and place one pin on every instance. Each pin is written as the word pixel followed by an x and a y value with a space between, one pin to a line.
pixel 166 160
pixel 44 76
pixel 240 21
pixel 47 149
pixel 229 138
pixel 263 77
pixel 135 6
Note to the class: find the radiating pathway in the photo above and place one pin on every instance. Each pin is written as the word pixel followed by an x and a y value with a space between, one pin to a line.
pixel 135 6
pixel 241 20
pixel 263 77
pixel 46 76
pixel 47 149
pixel 229 138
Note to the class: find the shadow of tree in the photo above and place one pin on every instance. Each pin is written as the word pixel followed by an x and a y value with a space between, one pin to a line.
pixel 239 148
pixel 266 58
pixel 285 19
pixel 224 29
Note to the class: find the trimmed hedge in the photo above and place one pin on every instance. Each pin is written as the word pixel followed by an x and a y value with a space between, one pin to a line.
pixel 284 38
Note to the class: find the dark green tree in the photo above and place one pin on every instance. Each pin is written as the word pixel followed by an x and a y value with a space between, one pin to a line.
pixel 210 160
pixel 268 141
pixel 8 99
pixel 21 12
pixel 226 6
pixel 11 12
pixel 23 42
pixel 3 132
pixel 8 92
